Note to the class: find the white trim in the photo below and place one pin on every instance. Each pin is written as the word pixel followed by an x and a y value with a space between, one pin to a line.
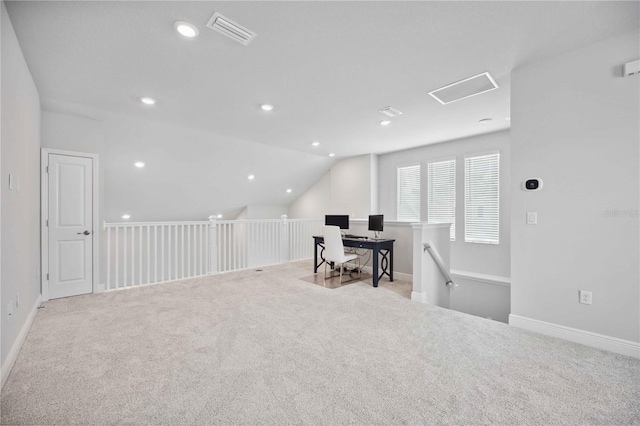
pixel 484 278
pixel 482 153
pixel 386 222
pixel 408 164
pixel 106 225
pixel 600 341
pixel 486 74
pixel 44 212
pixel 425 225
pixel 17 344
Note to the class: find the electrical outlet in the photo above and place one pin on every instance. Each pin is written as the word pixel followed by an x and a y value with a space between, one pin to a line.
pixel 586 297
pixel 532 218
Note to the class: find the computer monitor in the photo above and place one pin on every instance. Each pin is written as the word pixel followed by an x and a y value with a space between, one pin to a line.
pixel 376 223
pixel 340 220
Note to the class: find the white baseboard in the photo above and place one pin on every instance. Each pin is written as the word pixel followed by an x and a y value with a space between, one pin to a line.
pixel 101 288
pixel 17 345
pixel 600 341
pixel 484 278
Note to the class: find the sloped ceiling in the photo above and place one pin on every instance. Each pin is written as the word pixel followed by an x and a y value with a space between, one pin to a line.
pixel 326 66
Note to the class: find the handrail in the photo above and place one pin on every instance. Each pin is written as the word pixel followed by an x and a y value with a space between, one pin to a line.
pixel 438 259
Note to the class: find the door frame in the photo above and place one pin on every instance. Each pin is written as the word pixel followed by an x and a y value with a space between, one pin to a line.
pixel 44 216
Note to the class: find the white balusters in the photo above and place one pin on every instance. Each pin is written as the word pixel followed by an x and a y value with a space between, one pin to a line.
pixel 147 253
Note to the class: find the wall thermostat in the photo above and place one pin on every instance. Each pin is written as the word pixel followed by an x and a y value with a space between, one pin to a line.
pixel 534 184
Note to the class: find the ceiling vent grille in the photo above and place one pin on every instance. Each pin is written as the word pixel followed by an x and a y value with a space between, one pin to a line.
pixel 226 26
pixel 466 88
pixel 390 111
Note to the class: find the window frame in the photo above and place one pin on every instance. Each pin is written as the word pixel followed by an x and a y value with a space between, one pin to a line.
pixel 452 234
pixel 467 237
pixel 405 166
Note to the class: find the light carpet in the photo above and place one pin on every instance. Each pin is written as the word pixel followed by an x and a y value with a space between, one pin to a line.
pixel 268 348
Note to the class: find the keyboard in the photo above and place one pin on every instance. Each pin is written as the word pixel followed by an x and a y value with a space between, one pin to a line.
pixel 355 237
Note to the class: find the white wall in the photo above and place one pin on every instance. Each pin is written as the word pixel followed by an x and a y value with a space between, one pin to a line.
pixel 263 211
pixel 575 126
pixel 351 187
pixel 315 201
pixel 20 211
pixel 492 259
pixel 347 188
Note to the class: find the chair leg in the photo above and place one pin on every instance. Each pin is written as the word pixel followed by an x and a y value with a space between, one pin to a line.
pixel 325 271
pixel 359 269
pixel 341 269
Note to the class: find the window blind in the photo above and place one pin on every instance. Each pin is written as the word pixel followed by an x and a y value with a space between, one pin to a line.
pixel 441 194
pixel 482 199
pixel 408 179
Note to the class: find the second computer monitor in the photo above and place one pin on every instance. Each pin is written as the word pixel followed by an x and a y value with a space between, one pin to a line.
pixel 376 222
pixel 340 220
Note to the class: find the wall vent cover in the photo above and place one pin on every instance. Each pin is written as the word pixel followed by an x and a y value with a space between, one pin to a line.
pixel 231 29
pixel 390 111
pixel 466 88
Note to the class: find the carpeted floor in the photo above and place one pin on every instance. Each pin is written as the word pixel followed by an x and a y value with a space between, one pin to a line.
pixel 268 348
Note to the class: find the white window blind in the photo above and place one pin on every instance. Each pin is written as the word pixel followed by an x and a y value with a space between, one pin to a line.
pixel 409 193
pixel 441 194
pixel 482 199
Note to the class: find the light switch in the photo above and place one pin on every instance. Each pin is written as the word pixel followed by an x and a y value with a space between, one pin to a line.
pixel 532 218
pixel 10 182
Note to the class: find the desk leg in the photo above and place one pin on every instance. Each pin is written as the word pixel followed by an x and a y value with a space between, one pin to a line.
pixel 375 277
pixel 391 264
pixel 315 258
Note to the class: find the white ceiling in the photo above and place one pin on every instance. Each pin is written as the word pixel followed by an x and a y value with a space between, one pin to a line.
pixel 326 66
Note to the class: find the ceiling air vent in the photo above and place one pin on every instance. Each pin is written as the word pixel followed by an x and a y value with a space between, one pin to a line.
pixel 226 26
pixel 390 111
pixel 464 88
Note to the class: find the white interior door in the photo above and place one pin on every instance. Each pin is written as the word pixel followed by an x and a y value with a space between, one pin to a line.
pixel 70 225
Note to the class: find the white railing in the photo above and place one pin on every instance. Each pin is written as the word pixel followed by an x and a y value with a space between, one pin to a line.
pixel 148 253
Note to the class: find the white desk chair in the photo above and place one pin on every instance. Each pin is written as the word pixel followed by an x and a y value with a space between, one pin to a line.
pixel 334 251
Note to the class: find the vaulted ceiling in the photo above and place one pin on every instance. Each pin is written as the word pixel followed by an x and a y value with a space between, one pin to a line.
pixel 327 67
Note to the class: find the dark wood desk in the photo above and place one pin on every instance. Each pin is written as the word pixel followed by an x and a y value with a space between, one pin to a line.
pixel 380 247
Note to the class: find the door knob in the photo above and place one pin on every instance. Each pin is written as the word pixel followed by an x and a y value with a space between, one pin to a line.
pixel 85 233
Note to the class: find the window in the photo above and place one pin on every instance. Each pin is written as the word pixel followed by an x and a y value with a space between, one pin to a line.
pixel 409 193
pixel 482 199
pixel 441 194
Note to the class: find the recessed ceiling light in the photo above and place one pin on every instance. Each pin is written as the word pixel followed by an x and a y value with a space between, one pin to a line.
pixel 385 122
pixel 147 100
pixel 331 154
pixel 186 29
pixel 219 216
pixel 126 216
pixel 138 164
pixel 485 120
pixel 289 191
pixel 316 143
pixel 266 107
pixel 251 177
